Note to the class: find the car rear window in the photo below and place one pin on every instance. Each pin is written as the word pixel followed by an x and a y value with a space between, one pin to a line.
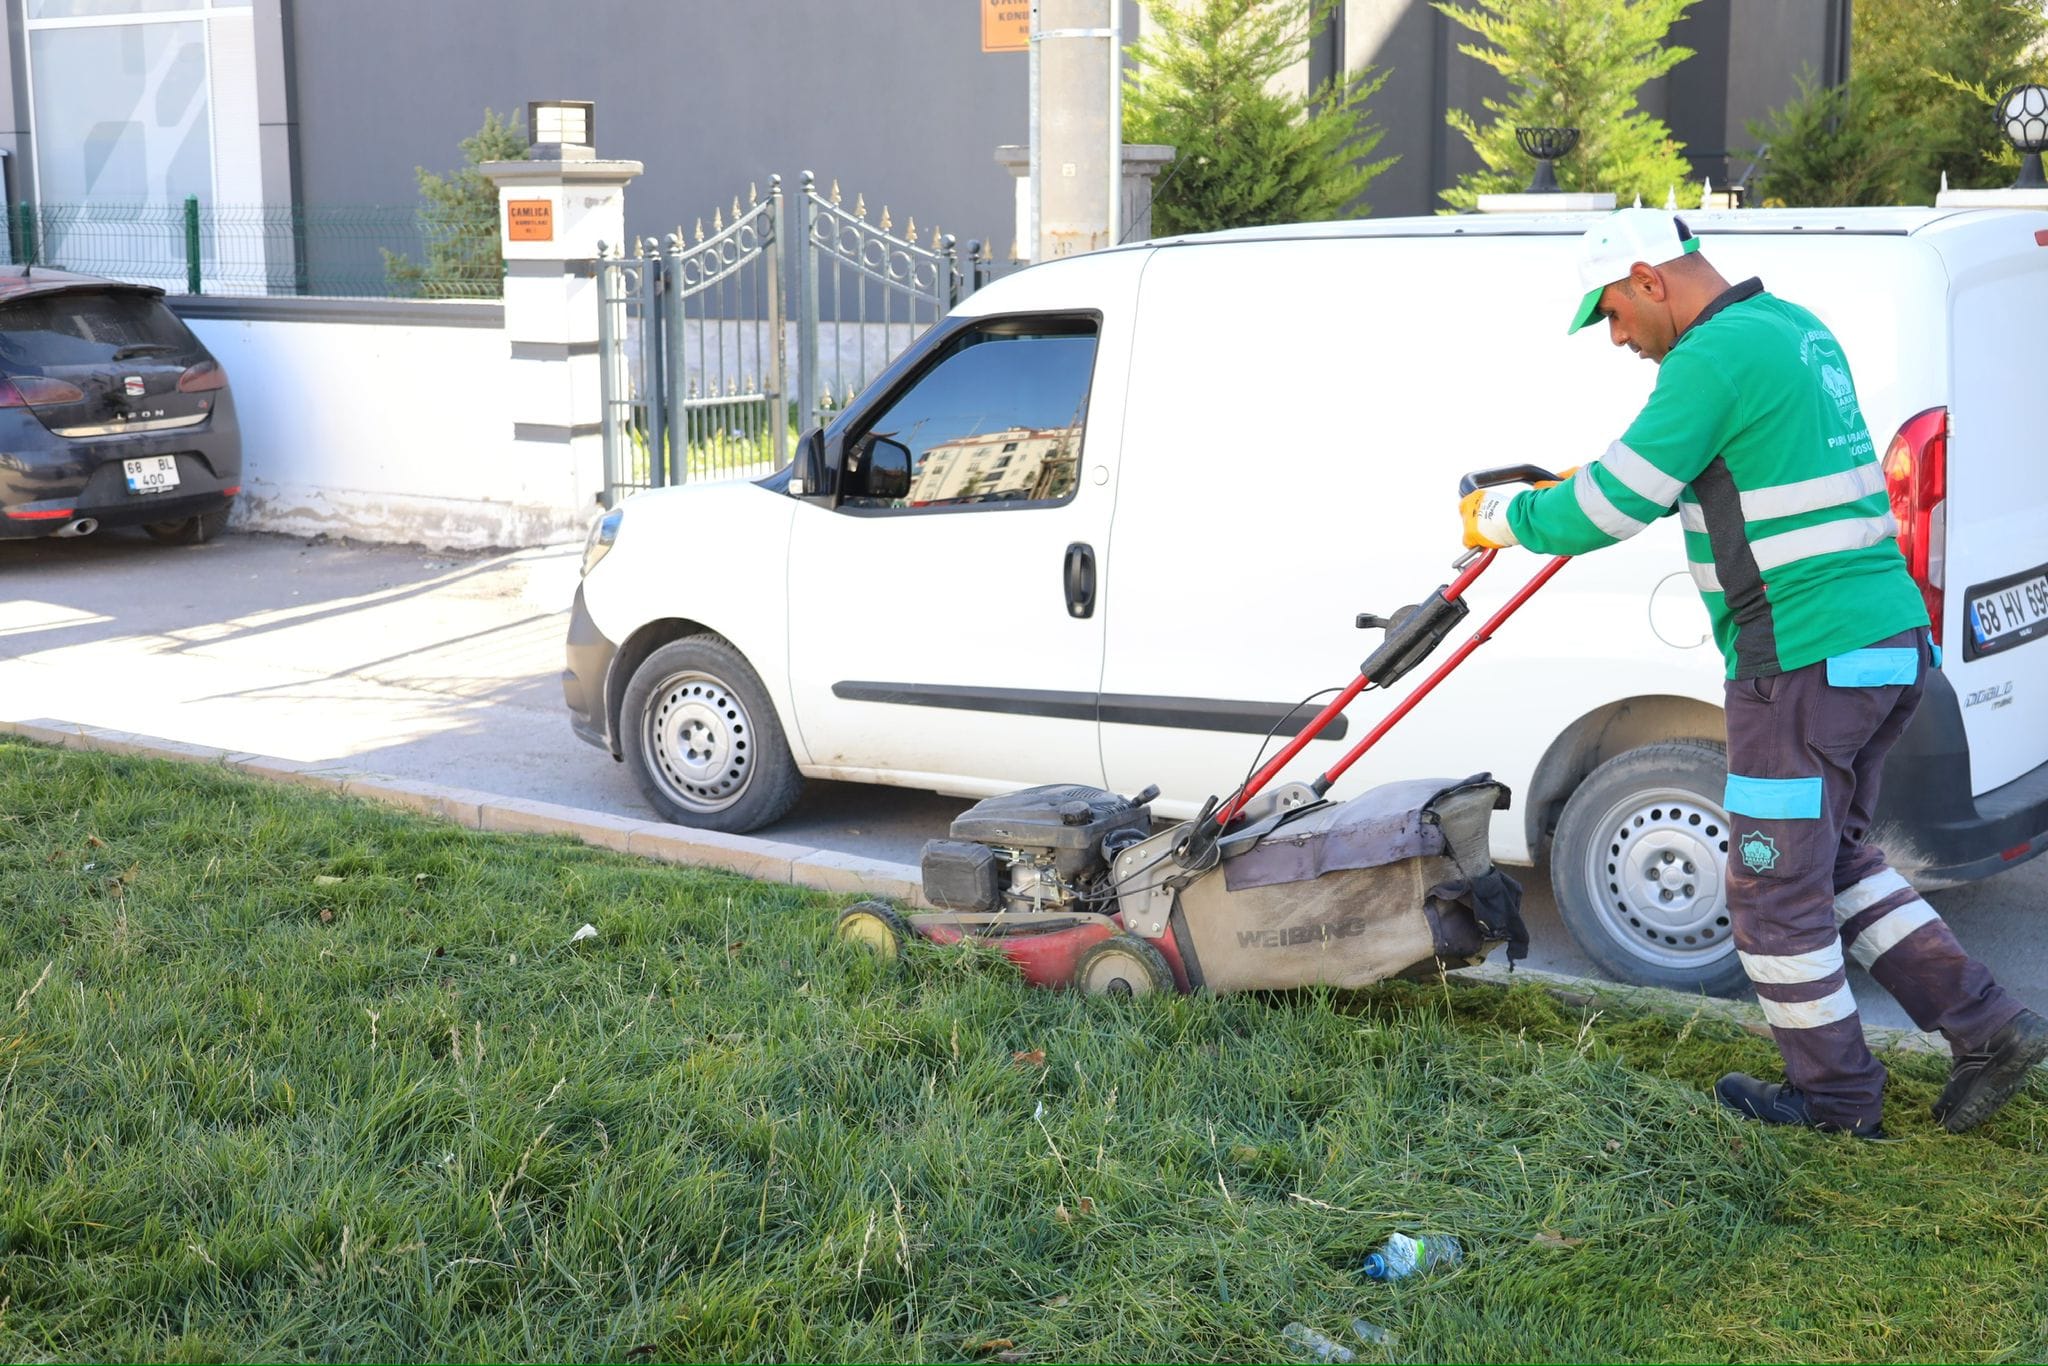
pixel 90 327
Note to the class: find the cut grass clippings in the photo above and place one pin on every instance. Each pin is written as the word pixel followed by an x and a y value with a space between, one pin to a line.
pixel 283 1076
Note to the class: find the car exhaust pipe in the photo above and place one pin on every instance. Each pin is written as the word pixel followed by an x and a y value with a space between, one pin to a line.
pixel 84 526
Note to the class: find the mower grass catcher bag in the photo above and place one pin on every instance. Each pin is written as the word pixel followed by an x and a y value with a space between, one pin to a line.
pixel 1396 882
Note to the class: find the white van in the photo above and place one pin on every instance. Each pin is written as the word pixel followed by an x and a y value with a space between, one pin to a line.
pixel 1114 517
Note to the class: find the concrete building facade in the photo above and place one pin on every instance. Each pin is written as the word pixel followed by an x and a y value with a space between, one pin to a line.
pixel 335 102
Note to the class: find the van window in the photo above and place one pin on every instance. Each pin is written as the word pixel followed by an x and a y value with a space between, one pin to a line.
pixel 994 421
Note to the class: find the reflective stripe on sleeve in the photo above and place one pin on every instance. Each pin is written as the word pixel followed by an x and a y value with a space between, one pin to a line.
pixel 1889 929
pixel 1640 477
pixel 1704 576
pixel 1850 533
pixel 1786 969
pixel 1812 495
pixel 1867 893
pixel 1693 517
pixel 1600 509
pixel 1839 1004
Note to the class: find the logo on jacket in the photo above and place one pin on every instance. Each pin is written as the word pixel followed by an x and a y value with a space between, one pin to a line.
pixel 1759 851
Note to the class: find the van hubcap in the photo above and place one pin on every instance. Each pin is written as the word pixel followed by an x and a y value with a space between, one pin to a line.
pixel 698 739
pixel 1657 869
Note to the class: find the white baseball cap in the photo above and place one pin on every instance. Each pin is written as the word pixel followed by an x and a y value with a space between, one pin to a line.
pixel 1610 249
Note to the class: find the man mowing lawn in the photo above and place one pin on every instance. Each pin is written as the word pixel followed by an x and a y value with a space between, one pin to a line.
pixel 1754 436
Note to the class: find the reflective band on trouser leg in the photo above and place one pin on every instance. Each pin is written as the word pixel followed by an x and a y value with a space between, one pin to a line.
pixel 1884 932
pixel 1912 953
pixel 1788 968
pixel 1839 1004
pixel 1867 893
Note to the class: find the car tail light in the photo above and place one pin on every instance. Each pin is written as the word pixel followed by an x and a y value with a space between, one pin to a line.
pixel 29 391
pixel 1916 480
pixel 199 378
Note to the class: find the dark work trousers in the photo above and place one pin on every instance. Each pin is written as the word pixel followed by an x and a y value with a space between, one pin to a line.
pixel 1805 752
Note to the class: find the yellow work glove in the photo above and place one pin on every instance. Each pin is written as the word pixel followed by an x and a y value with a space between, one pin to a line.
pixel 1486 517
pixel 1485 513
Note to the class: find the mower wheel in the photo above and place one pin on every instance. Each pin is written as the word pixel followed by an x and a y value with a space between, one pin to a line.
pixel 876 926
pixel 1122 965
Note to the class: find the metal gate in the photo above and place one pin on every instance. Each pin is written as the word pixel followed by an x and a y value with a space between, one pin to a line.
pixel 692 335
pixel 692 352
pixel 880 291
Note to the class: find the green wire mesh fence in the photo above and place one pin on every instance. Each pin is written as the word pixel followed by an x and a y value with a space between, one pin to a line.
pixel 194 248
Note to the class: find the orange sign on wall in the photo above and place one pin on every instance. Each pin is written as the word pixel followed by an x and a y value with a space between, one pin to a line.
pixel 530 220
pixel 1005 25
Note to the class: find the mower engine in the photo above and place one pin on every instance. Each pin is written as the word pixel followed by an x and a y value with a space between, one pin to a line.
pixel 1038 850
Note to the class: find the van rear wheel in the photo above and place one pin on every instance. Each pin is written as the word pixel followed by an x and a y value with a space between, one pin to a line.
pixel 703 740
pixel 1639 866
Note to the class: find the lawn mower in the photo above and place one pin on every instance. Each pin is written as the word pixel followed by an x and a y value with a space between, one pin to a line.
pixel 1263 889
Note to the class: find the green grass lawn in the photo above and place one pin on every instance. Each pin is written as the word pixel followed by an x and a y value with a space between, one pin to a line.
pixel 284 1077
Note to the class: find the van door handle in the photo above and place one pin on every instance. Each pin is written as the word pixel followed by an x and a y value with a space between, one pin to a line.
pixel 1080 580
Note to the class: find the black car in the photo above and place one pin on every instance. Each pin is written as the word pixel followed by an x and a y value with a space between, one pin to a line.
pixel 111 413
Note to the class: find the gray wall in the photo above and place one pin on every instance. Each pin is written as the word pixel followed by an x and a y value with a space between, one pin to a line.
pixel 895 100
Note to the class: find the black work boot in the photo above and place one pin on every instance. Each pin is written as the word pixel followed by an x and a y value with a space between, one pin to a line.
pixel 1777 1103
pixel 1982 1081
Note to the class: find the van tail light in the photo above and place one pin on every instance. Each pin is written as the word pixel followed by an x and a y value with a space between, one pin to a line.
pixel 202 377
pixel 1916 480
pixel 30 391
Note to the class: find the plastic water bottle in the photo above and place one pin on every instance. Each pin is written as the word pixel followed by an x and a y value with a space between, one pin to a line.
pixel 1404 1256
pixel 1312 1343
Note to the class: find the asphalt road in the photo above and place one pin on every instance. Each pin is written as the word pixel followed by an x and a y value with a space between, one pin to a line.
pixel 445 666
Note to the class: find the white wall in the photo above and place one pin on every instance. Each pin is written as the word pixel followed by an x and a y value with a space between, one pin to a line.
pixel 378 421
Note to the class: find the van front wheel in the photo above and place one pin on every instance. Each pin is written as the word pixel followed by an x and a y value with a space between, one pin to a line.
pixel 1639 868
pixel 703 739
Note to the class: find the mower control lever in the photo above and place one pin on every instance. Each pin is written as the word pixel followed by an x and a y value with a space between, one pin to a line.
pixel 1415 631
pixel 1507 474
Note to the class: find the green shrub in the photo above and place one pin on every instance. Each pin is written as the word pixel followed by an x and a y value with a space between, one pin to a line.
pixel 458 219
pixel 1572 64
pixel 1924 76
pixel 1245 153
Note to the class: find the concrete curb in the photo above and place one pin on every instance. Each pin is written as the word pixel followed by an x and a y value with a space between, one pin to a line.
pixel 773 861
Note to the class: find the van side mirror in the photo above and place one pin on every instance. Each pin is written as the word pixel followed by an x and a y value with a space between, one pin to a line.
pixel 808 478
pixel 888 468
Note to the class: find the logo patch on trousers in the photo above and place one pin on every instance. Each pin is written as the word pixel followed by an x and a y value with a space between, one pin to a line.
pixel 1759 851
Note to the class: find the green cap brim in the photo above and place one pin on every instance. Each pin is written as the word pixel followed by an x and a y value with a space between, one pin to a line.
pixel 1589 309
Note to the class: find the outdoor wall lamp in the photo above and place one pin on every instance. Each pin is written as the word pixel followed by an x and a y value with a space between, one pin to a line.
pixel 563 130
pixel 2023 117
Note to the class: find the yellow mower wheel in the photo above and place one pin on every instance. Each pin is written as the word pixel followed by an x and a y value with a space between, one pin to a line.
pixel 876 926
pixel 1122 965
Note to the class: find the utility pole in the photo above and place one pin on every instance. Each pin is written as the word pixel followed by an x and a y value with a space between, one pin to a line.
pixel 1076 126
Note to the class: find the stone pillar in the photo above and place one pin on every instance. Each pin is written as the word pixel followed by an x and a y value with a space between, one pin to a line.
pixel 1143 163
pixel 552 216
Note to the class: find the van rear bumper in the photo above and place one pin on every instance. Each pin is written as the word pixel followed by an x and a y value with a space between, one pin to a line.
pixel 1930 825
